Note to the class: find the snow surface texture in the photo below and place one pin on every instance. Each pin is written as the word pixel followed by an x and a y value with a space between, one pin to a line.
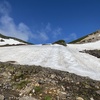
pixel 56 57
pixel 9 41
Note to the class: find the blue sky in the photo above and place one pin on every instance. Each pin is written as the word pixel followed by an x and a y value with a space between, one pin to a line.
pixel 45 21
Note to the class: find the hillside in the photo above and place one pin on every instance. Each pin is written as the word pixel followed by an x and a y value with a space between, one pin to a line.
pixel 49 72
pixel 9 41
pixel 58 57
pixel 95 36
pixel 19 82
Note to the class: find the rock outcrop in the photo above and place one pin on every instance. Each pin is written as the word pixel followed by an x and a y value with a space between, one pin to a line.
pixel 60 42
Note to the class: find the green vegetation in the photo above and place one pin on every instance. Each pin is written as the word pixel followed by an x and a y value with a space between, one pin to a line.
pixel 75 86
pixel 5 37
pixel 37 89
pixel 47 98
pixel 21 84
pixel 18 76
pixel 78 40
pixel 60 42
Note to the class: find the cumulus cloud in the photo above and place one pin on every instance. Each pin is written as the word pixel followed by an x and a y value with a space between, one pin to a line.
pixel 8 26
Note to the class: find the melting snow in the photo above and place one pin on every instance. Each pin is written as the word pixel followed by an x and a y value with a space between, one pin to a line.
pixel 56 57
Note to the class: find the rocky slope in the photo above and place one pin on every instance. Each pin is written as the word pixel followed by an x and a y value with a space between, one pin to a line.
pixel 24 82
pixel 19 82
pixel 95 36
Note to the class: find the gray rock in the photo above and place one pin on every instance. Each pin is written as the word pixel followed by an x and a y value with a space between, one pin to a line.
pixel 52 76
pixel 27 98
pixel 1 97
pixel 62 95
pixel 79 98
pixel 91 99
pixel 98 92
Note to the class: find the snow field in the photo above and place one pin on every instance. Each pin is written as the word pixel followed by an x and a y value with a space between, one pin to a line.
pixel 56 57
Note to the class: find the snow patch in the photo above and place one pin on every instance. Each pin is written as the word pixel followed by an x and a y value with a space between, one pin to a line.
pixel 9 41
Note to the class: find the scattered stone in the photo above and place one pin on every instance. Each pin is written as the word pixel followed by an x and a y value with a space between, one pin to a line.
pixel 0 85
pixel 63 88
pixel 27 98
pixel 77 83
pixel 41 83
pixel 30 94
pixel 97 87
pixel 87 86
pixel 98 92
pixel 20 94
pixel 33 91
pixel 1 97
pixel 91 99
pixel 52 76
pixel 79 98
pixel 37 84
pixel 62 95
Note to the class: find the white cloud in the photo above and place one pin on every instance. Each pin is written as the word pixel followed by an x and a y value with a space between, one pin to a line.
pixel 47 32
pixel 42 35
pixel 71 37
pixel 57 32
pixel 5 8
pixel 8 26
pixel 48 27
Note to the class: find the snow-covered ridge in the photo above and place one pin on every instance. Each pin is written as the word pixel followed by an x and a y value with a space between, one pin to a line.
pixel 56 57
pixel 9 42
pixel 6 40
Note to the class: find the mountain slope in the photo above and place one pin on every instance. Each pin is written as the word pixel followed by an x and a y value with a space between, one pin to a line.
pixel 95 36
pixel 45 84
pixel 5 40
pixel 56 57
